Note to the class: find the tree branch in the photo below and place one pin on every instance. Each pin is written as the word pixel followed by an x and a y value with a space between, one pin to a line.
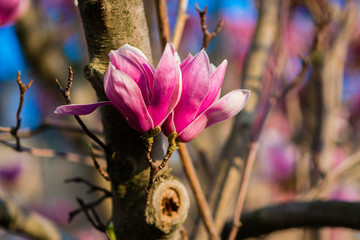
pixel 298 215
pixel 30 224
pixel 66 94
pixel 48 153
pixel 163 22
pixel 22 89
pixel 44 126
pixel 201 201
pixel 180 23
pixel 207 35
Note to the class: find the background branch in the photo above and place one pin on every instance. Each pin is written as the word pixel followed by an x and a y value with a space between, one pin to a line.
pixel 201 201
pixel 237 147
pixel 22 89
pixel 48 153
pixel 44 126
pixel 30 224
pixel 163 22
pixel 207 35
pixel 298 215
pixel 180 23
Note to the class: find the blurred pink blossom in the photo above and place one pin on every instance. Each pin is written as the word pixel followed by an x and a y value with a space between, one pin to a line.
pixel 349 193
pixel 10 172
pixel 277 157
pixel 10 10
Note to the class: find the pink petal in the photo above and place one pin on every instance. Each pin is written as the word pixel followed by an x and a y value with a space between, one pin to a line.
pixel 125 64
pixel 166 79
pixel 139 57
pixel 79 109
pixel 176 95
pixel 196 80
pixel 227 107
pixel 216 81
pixel 11 10
pixel 126 96
pixel 213 68
pixel 186 61
pixel 126 48
pixel 169 127
pixel 148 70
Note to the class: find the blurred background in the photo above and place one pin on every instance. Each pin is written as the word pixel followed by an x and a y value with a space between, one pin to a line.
pixel 48 38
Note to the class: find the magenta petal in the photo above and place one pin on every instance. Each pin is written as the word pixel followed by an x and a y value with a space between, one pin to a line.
pixel 169 127
pixel 79 109
pixel 127 65
pixel 213 68
pixel 126 96
pixel 175 97
pixel 139 57
pixel 186 61
pixel 227 107
pixel 166 79
pixel 126 49
pixel 216 81
pixel 148 70
pixel 196 80
pixel 11 10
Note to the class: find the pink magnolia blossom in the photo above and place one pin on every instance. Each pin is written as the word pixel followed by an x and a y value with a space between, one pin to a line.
pixel 144 97
pixel 199 106
pixel 10 10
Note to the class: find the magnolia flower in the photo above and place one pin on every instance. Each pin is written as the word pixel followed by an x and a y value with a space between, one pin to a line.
pixel 144 97
pixel 199 106
pixel 10 10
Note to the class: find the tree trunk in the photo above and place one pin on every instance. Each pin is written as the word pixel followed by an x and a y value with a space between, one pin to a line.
pixel 108 25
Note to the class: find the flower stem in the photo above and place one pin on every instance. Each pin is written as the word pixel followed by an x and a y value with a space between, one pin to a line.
pixel 154 169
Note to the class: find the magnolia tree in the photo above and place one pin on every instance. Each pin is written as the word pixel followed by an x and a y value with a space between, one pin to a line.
pixel 149 113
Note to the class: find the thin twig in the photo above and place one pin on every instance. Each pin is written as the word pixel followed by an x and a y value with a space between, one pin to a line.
pixel 49 153
pixel 163 22
pixel 208 36
pixel 96 164
pixel 92 187
pixel 22 88
pixel 44 126
pixel 201 202
pixel 154 168
pixel 5 129
pixel 305 62
pixel 243 189
pixel 180 23
pixel 75 212
pixel 96 223
pixel 339 172
pixel 66 94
